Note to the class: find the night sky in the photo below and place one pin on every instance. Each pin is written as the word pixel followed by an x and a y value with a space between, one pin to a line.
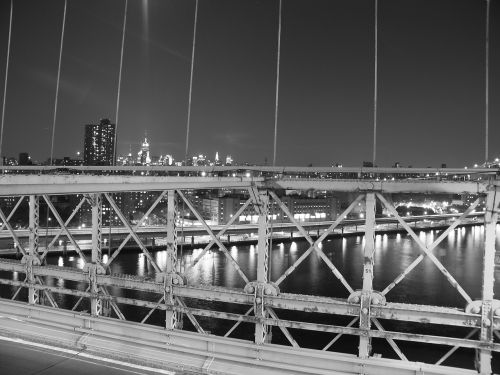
pixel 431 79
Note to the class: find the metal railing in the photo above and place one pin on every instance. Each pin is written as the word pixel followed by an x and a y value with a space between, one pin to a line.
pixel 450 174
pixel 260 302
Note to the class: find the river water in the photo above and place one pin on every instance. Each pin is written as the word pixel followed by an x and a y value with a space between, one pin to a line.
pixel 461 253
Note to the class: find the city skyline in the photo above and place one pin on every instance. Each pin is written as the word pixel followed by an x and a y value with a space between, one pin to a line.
pixel 99 149
pixel 431 79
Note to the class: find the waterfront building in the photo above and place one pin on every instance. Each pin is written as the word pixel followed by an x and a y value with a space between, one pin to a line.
pixel 219 210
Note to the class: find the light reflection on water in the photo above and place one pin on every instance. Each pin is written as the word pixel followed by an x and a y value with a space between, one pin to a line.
pixel 461 253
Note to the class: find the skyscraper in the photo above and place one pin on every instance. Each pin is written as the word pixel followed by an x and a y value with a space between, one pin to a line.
pixel 143 157
pixel 99 143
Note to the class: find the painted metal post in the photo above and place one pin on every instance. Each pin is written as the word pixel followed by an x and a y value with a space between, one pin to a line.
pixel 486 336
pixel 369 250
pixel 96 202
pixel 32 259
pixel 171 318
pixel 262 330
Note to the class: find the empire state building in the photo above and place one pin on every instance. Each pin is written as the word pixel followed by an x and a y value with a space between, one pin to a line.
pixel 143 157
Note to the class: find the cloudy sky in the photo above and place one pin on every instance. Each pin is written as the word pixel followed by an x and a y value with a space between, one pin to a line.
pixel 431 78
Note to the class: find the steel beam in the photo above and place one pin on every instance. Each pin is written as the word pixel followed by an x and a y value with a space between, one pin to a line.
pixel 170 290
pixel 287 301
pixel 389 187
pixel 425 250
pixel 214 237
pixel 136 227
pixel 96 265
pixel 13 211
pixel 66 230
pixel 32 258
pixel 18 184
pixel 365 346
pixel 61 230
pixel 132 232
pixel 109 337
pixel 219 234
pixel 152 310
pixel 441 237
pixel 315 246
pixel 112 301
pixel 170 274
pixel 487 313
pixel 248 312
pixel 262 332
pixel 171 170
pixel 15 185
pixel 17 243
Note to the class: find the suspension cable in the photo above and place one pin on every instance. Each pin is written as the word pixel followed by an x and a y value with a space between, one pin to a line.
pixel 375 87
pixel 191 80
pixel 277 83
pixel 486 77
pixel 57 84
pixel 120 80
pixel 5 81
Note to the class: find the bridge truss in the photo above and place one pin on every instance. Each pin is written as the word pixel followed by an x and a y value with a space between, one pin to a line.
pixel 182 341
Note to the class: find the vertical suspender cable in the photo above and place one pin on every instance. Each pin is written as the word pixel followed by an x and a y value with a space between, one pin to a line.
pixel 277 83
pixel 120 80
pixel 191 80
pixel 375 88
pixel 57 84
pixel 5 81
pixel 487 83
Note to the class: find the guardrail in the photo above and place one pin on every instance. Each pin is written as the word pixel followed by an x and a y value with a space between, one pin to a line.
pixel 259 302
pixel 265 171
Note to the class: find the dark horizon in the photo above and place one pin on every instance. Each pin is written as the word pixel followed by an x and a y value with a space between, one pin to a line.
pixel 431 79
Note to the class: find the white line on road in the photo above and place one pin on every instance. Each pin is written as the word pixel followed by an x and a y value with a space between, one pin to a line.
pixel 75 354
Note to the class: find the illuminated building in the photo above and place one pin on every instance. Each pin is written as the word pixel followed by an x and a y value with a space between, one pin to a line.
pixel 220 209
pixel 166 160
pixel 10 161
pixel 25 159
pixel 99 143
pixel 143 157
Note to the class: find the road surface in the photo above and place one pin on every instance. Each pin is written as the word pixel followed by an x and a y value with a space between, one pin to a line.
pixel 17 358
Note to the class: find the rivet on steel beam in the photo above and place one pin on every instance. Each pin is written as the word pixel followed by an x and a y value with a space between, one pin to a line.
pixel 364 310
pixel 487 322
pixel 356 299
pixel 258 300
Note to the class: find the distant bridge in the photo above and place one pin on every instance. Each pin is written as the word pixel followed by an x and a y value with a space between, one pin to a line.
pixel 198 230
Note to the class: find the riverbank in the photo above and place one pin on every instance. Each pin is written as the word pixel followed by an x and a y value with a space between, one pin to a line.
pixel 155 244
